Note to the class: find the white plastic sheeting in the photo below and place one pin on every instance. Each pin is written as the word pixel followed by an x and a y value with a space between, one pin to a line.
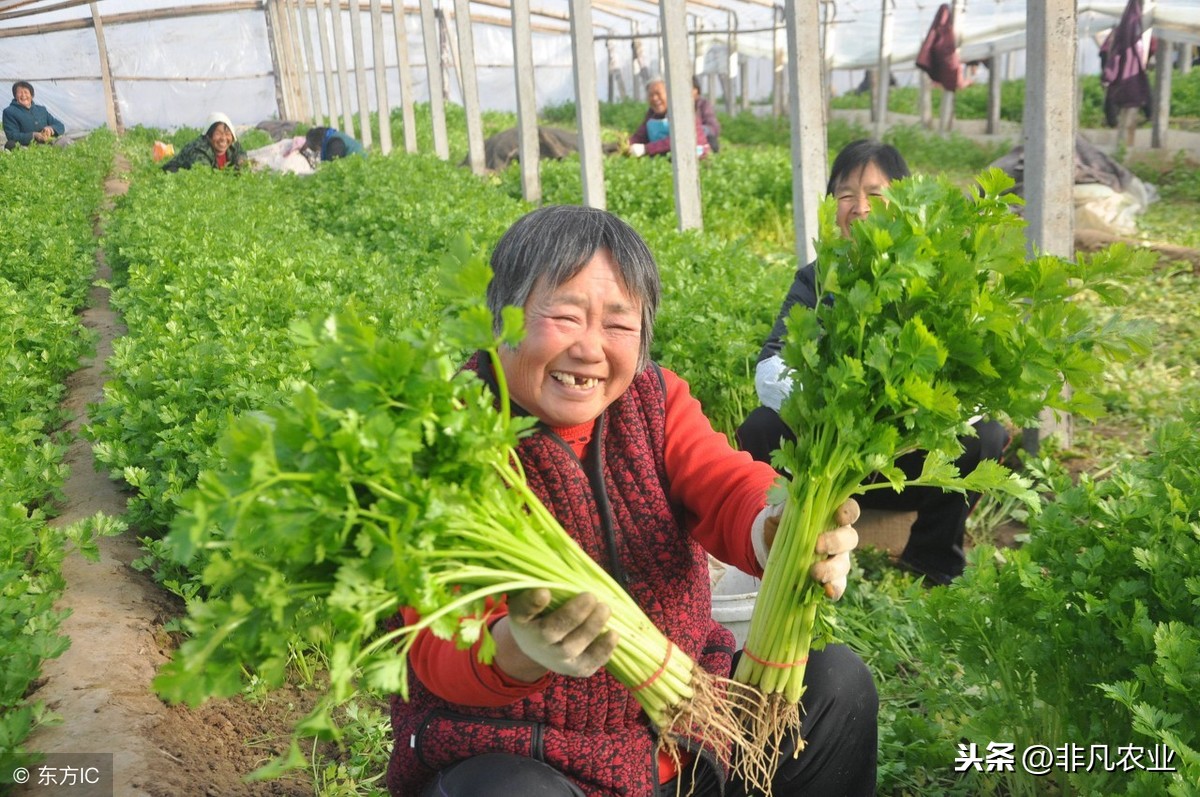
pixel 171 73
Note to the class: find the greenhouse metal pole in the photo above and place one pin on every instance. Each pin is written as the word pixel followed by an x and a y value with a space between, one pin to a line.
pixel 470 85
pixel 310 52
pixel 433 74
pixel 360 72
pixel 112 112
pixel 587 104
pixel 339 50
pixel 326 65
pixel 807 99
pixel 405 69
pixel 381 97
pixel 681 114
pixel 884 76
pixel 527 131
pixel 1049 139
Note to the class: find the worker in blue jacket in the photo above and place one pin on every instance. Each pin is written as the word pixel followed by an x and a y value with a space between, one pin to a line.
pixel 326 144
pixel 26 122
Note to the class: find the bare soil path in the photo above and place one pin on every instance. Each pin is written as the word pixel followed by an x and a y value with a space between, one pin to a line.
pixel 101 686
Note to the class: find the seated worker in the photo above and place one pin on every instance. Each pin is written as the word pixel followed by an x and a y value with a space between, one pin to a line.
pixel 935 544
pixel 707 116
pixel 653 136
pixel 626 461
pixel 217 148
pixel 326 144
pixel 26 122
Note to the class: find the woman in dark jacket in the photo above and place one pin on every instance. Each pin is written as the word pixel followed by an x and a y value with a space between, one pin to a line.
pixel 218 148
pixel 861 171
pixel 26 122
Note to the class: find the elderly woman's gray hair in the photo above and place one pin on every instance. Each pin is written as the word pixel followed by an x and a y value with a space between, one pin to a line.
pixel 549 246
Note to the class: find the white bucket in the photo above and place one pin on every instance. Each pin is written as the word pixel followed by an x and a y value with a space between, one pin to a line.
pixel 734 593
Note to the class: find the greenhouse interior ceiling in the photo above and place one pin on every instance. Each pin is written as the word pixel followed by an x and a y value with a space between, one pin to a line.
pixel 143 62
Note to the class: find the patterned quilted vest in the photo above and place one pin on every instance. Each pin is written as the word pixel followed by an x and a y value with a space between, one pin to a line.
pixel 616 506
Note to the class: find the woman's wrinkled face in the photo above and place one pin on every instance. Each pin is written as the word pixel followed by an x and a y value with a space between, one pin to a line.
pixel 221 137
pixel 656 95
pixel 854 194
pixel 581 346
pixel 24 97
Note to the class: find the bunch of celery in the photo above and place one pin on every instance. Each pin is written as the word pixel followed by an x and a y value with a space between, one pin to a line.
pixel 932 312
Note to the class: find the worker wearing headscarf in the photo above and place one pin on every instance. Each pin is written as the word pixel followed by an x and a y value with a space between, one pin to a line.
pixel 218 148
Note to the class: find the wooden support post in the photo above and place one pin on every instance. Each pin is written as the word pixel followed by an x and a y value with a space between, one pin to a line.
pixel 946 120
pixel 111 110
pixel 925 99
pixel 528 149
pixel 310 54
pixel 339 50
pixel 777 85
pixel 1161 107
pixel 406 90
pixel 383 109
pixel 883 76
pixel 1049 133
pixel 327 67
pixel 470 85
pixel 993 103
pixel 271 12
pixel 681 115
pixel 808 123
pixel 292 68
pixel 305 80
pixel 360 72
pixel 433 70
pixel 587 104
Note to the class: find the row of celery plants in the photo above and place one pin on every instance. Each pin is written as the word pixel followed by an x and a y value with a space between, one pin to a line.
pixel 47 260
pixel 211 270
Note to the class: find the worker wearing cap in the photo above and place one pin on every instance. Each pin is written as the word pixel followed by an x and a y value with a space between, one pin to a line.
pixel 218 148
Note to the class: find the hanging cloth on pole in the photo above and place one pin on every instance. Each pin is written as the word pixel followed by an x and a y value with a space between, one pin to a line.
pixel 1123 66
pixel 938 56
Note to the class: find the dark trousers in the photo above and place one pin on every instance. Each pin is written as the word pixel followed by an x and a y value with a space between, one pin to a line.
pixel 935 543
pixel 839 759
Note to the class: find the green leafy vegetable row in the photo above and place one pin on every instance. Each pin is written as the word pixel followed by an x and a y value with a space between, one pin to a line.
pixel 47 248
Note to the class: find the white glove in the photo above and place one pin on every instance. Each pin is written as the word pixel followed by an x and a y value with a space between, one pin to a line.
pixel 834 546
pixel 570 640
pixel 637 150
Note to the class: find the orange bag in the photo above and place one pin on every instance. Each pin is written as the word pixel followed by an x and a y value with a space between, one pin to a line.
pixel 162 150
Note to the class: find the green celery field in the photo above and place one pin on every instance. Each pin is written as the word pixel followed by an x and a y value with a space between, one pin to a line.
pixel 1082 633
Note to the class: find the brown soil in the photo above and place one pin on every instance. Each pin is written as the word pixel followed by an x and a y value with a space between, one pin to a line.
pixel 101 686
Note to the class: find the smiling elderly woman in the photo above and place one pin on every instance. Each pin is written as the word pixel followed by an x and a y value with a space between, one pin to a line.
pixel 625 459
pixel 26 122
